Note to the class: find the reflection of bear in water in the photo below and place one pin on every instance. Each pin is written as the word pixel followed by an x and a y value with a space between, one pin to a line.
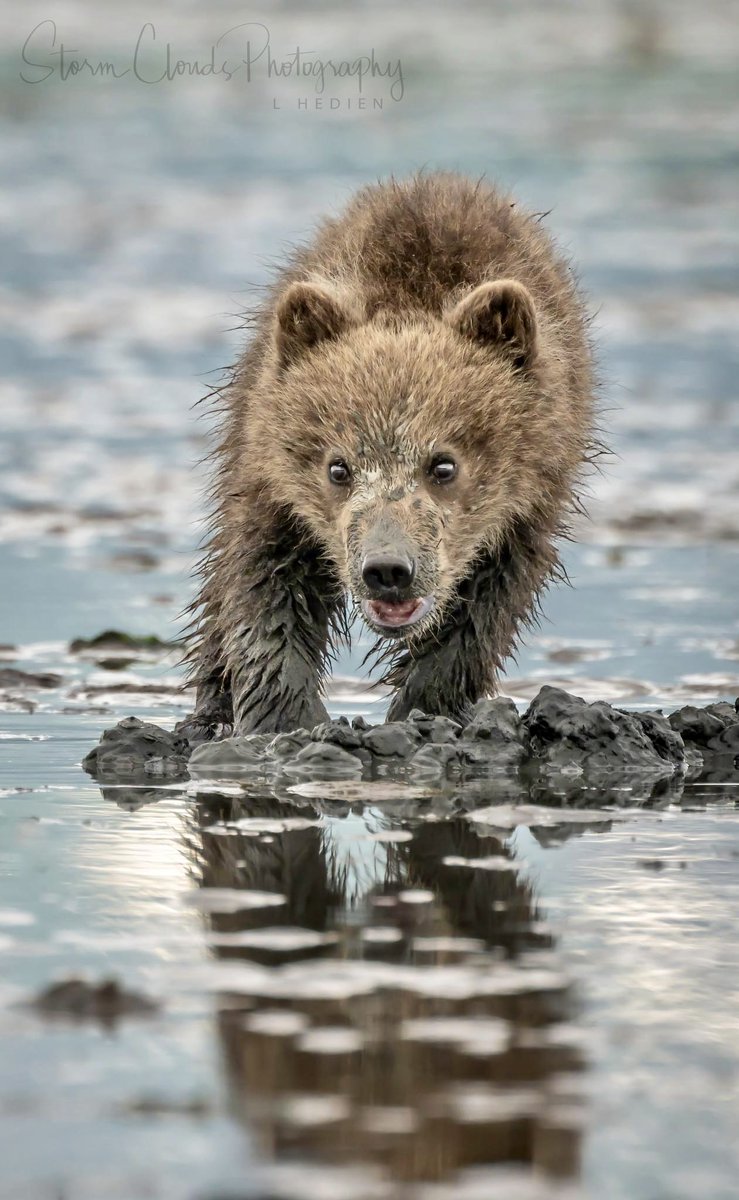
pixel 427 1033
pixel 407 428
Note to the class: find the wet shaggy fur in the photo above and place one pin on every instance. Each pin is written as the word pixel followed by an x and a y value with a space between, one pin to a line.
pixel 432 317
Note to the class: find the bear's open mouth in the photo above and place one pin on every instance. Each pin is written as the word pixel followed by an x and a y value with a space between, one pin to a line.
pixel 396 614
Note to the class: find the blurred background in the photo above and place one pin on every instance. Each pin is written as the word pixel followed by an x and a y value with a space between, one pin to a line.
pixel 140 210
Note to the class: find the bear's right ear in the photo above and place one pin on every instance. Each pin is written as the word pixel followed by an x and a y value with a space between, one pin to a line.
pixel 308 313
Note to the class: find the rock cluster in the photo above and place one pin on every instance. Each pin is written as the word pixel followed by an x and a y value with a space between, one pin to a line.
pixel 559 734
pixel 133 748
pixel 714 728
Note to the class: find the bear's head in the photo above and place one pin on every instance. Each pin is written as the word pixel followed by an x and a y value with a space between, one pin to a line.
pixel 409 443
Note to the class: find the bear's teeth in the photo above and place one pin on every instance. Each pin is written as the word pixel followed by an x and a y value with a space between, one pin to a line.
pixel 396 614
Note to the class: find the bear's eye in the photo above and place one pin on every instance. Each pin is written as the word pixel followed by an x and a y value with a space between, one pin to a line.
pixel 443 469
pixel 339 473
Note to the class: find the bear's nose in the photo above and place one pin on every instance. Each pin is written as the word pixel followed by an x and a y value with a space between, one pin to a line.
pixel 385 573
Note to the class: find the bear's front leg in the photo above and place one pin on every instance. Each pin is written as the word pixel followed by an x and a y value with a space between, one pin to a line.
pixel 445 674
pixel 276 623
pixel 213 715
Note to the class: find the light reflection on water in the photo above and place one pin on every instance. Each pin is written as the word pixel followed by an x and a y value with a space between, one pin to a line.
pixel 429 1051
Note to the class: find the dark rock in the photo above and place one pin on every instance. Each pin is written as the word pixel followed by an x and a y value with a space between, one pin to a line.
pixel 565 733
pixel 555 715
pixel 725 711
pixel 726 742
pixel 12 678
pixel 287 745
pixel 323 760
pixel 559 732
pixel 496 720
pixel 665 740
pixel 236 753
pixel 701 725
pixel 394 740
pixel 107 1001
pixel 113 642
pixel 338 733
pixel 434 729
pixel 491 755
pixel 443 730
pixel 694 762
pixel 493 739
pixel 435 758
pixel 129 745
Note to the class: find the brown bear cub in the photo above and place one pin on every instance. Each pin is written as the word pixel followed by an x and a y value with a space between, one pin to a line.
pixel 404 434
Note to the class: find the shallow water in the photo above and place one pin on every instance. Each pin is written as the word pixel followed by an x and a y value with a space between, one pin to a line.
pixel 431 1005
pixel 367 990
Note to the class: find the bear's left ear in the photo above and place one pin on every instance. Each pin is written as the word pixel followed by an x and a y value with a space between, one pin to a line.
pixel 308 313
pixel 502 314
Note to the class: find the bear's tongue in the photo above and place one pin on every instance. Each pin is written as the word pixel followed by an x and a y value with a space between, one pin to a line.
pixel 393 613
